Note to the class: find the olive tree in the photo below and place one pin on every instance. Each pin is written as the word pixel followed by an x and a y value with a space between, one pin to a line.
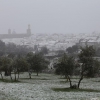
pixel 19 65
pixel 65 66
pixel 89 65
pixel 6 66
pixel 37 62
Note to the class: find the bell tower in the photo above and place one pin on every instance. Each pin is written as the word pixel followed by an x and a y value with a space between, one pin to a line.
pixel 9 31
pixel 29 30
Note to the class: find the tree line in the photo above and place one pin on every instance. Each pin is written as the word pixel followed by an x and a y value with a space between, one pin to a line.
pixel 29 63
pixel 16 58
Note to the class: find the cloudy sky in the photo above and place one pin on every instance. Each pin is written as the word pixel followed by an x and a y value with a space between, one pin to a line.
pixel 50 16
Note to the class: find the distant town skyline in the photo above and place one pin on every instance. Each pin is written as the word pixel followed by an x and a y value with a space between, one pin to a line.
pixel 50 16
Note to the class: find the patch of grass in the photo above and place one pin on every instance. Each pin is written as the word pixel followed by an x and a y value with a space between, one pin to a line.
pixel 73 90
pixel 97 81
pixel 64 81
pixel 34 79
pixel 68 81
pixel 9 81
pixel 25 78
pixel 62 78
pixel 71 78
pixel 44 79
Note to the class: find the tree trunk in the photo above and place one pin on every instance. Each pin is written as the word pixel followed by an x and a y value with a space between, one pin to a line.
pixel 18 75
pixel 80 81
pixel 29 75
pixel 81 78
pixel 15 76
pixel 66 76
pixel 1 75
pixel 37 73
pixel 11 77
pixel 70 81
pixel 6 73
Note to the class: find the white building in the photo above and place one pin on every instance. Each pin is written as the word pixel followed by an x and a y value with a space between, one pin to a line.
pixel 89 42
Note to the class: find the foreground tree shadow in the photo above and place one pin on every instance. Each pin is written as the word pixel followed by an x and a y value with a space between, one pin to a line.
pixel 73 90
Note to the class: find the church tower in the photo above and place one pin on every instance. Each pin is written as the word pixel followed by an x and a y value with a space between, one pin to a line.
pixel 28 30
pixel 9 31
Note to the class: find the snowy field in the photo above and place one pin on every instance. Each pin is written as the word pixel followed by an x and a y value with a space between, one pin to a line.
pixel 40 88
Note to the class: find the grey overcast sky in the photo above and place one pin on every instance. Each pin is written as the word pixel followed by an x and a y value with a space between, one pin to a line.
pixel 50 16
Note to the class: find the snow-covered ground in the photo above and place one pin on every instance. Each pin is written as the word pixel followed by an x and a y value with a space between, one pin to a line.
pixel 40 88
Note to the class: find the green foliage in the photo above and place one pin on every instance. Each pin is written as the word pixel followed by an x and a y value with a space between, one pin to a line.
pixel 86 54
pixel 98 52
pixel 6 65
pixel 5 62
pixel 2 48
pixel 13 50
pixel 89 65
pixel 65 65
pixel 20 64
pixel 94 70
pixel 72 49
pixel 37 62
pixel 44 50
